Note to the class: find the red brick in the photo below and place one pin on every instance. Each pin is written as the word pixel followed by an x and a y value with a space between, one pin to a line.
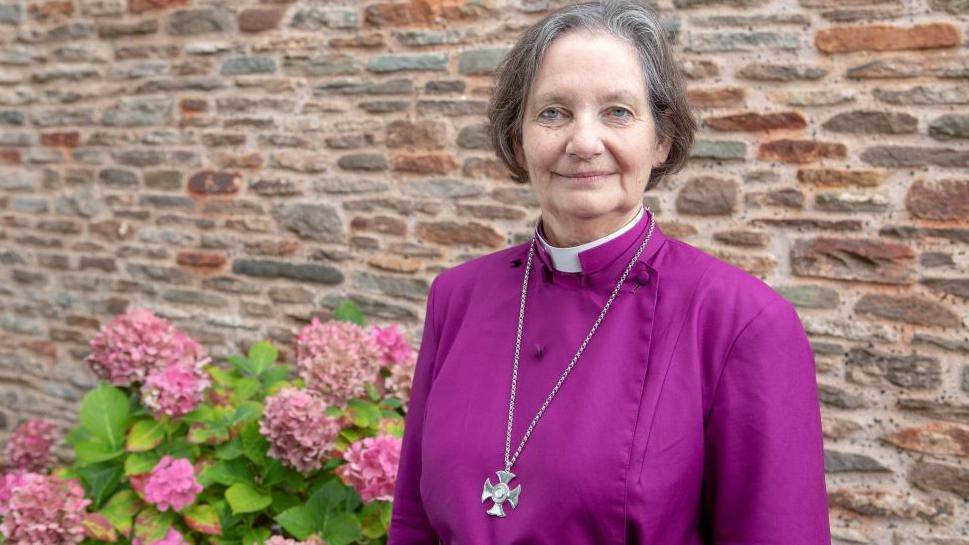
pixel 800 151
pixel 426 164
pixel 910 309
pixel 272 247
pixel 725 97
pixel 193 105
pixel 830 177
pixel 54 9
pixel 69 139
pixel 369 41
pixel 452 233
pixel 212 182
pixel 939 438
pixel 260 19
pixel 200 258
pixel 423 12
pixel 854 259
pixel 10 157
pixel 939 199
pixel 752 121
pixel 380 224
pixel 138 6
pixel 416 135
pixel 887 38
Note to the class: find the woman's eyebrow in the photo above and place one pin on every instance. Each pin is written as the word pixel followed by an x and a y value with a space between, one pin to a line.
pixel 612 96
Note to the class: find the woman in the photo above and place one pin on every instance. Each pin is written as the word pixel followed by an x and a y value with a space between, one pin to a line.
pixel 602 383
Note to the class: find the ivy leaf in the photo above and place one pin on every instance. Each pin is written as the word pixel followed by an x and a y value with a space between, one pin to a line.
pixel 104 412
pixel 348 311
pixel 262 355
pixel 298 521
pixel 244 498
pixel 145 435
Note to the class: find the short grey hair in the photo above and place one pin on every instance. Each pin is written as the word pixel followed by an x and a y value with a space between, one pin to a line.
pixel 629 21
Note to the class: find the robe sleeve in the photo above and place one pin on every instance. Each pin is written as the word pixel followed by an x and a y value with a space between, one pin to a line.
pixel 763 479
pixel 408 522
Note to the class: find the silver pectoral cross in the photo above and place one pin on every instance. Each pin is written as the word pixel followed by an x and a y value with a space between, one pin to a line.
pixel 500 493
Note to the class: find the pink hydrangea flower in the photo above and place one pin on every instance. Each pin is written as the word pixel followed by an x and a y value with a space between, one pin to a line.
pixel 400 382
pixel 172 483
pixel 177 389
pixel 337 359
pixel 173 537
pixel 371 467
pixel 280 540
pixel 44 510
pixel 299 432
pixel 30 446
pixel 137 342
pixel 8 483
pixel 394 347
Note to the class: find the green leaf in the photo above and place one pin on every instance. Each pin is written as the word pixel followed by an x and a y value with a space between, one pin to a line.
pixel 140 462
pixel 101 481
pixel 93 451
pixel 145 435
pixel 328 497
pixel 244 388
pixel 79 433
pixel 247 411
pixel 298 521
pixel 341 529
pixel 151 525
pixel 242 363
pixel 393 402
pixel 203 519
pixel 220 376
pixel 262 355
pixel 283 500
pixel 274 375
pixel 348 311
pixel 244 498
pixel 365 414
pixel 372 392
pixel 277 474
pixel 229 473
pixel 256 536
pixel 121 509
pixel 199 434
pixel 375 519
pixel 98 527
pixel 104 412
pixel 230 450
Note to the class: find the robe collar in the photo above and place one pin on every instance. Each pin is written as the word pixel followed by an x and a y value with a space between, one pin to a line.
pixel 580 258
pixel 603 264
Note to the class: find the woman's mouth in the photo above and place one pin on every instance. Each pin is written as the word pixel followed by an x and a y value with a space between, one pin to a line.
pixel 587 177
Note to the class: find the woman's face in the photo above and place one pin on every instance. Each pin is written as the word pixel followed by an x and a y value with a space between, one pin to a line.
pixel 588 137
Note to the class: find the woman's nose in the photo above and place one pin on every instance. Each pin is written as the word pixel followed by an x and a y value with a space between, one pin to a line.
pixel 585 141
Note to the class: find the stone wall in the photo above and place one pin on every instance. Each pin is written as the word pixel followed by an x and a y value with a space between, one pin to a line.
pixel 242 166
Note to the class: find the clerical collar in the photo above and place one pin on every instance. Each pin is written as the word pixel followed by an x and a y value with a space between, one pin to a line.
pixel 567 259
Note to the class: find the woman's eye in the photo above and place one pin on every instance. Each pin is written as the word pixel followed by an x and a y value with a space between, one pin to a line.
pixel 620 113
pixel 549 114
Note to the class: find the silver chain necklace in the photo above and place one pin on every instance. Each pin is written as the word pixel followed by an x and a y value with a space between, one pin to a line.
pixel 500 493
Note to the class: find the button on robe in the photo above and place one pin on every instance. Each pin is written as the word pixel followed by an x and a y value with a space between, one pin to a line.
pixel 691 418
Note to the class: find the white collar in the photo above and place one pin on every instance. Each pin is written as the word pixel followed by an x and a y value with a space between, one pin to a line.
pixel 567 259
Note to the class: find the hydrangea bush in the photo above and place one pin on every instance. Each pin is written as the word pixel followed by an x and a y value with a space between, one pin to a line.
pixel 172 449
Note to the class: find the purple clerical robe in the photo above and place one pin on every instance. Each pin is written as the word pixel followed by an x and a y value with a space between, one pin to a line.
pixel 691 418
